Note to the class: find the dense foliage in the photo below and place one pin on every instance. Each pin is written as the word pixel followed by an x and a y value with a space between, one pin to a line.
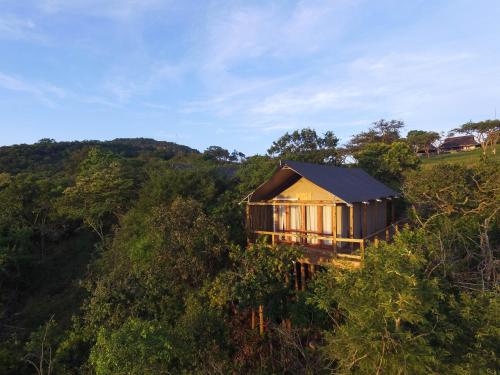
pixel 130 257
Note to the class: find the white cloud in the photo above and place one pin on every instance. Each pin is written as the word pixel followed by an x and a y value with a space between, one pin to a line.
pixel 43 91
pixel 17 28
pixel 117 9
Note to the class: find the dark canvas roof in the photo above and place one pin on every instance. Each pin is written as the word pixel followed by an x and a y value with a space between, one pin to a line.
pixel 349 184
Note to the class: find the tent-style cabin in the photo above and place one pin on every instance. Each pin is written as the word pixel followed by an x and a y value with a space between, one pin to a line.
pixel 331 211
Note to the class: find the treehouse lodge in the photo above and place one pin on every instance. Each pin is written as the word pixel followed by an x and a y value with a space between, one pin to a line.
pixel 331 212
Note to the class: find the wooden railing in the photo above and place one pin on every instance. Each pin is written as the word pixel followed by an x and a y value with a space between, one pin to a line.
pixel 306 237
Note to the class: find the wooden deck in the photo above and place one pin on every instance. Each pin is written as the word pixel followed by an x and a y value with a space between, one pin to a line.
pixel 343 252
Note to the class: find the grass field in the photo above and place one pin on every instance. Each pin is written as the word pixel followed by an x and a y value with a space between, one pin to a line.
pixel 464 157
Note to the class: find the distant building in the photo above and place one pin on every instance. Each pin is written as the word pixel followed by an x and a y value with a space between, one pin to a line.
pixel 462 143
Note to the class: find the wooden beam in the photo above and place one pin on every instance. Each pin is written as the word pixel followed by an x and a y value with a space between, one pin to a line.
pixel 303 221
pixel 253 319
pixel 261 320
pixel 247 222
pixel 334 227
pixel 275 223
pixel 287 218
pixel 298 233
pixel 351 223
pixel 296 269
pixel 365 224
pixel 393 211
pixel 303 276
pixel 319 220
pixel 295 203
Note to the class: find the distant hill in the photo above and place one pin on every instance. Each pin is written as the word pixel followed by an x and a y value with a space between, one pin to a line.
pixel 462 157
pixel 49 154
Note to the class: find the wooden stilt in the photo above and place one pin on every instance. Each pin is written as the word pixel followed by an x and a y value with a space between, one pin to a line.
pixel 303 276
pixel 253 319
pixel 296 275
pixel 261 320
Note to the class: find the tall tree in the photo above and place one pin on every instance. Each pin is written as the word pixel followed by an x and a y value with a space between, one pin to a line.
pixel 422 140
pixel 101 192
pixel 307 145
pixel 381 131
pixel 486 133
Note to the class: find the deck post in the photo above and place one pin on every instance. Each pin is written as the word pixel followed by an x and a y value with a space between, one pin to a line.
pixel 365 225
pixel 319 211
pixel 253 319
pixel 393 211
pixel 296 269
pixel 275 223
pixel 334 227
pixel 387 235
pixel 351 224
pixel 287 219
pixel 303 276
pixel 247 223
pixel 303 225
pixel 362 249
pixel 261 320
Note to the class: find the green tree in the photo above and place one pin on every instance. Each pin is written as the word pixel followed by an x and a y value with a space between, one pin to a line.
pixel 422 140
pixel 387 162
pixel 382 131
pixel 383 315
pixel 137 347
pixel 306 145
pixel 486 133
pixel 101 192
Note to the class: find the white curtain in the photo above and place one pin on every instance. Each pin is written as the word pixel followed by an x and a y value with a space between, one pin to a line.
pixel 327 223
pixel 281 221
pixel 312 222
pixel 295 219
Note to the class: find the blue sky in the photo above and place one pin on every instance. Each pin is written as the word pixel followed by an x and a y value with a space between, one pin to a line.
pixel 240 73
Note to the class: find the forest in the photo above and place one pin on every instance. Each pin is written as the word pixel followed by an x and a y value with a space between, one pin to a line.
pixel 130 257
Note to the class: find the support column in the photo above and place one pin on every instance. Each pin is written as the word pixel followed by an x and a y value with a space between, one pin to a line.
pixel 334 227
pixel 287 222
pixel 319 211
pixel 303 276
pixel 365 225
pixel 275 224
pixel 296 270
pixel 261 320
pixel 393 211
pixel 253 319
pixel 351 224
pixel 247 221
pixel 303 225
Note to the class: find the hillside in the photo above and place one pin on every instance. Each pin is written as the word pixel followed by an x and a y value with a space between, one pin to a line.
pixel 48 154
pixel 468 158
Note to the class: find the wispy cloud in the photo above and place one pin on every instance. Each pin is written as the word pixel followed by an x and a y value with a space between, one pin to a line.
pixel 17 28
pixel 116 9
pixel 45 92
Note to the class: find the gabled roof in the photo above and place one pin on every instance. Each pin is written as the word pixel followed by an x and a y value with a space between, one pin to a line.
pixel 349 184
pixel 461 141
